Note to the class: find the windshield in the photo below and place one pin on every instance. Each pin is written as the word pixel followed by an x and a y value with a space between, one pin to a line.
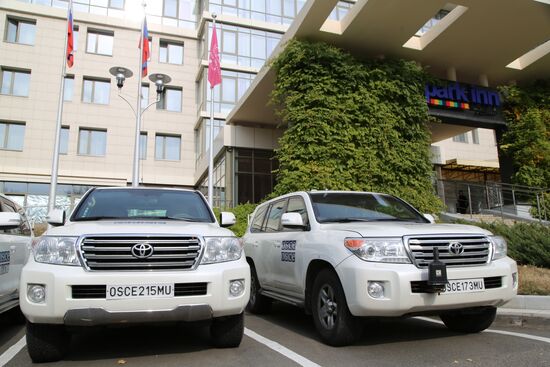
pixel 362 207
pixel 143 204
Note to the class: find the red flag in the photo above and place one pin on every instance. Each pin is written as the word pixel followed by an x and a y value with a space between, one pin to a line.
pixel 145 49
pixel 70 39
pixel 214 69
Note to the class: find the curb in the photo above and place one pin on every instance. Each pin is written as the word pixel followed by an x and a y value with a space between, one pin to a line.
pixel 525 311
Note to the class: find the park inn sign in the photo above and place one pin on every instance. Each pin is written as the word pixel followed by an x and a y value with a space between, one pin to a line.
pixel 463 97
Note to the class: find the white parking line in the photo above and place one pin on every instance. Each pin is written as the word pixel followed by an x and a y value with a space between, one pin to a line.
pixel 302 361
pixel 502 332
pixel 12 351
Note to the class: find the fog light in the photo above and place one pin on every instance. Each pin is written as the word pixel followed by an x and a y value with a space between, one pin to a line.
pixel 515 280
pixel 375 289
pixel 236 287
pixel 36 293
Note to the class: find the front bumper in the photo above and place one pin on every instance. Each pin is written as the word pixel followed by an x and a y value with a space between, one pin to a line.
pixel 61 308
pixel 399 298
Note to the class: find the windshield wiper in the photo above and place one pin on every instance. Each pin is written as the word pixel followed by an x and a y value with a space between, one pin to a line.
pixel 98 217
pixel 394 220
pixel 346 220
pixel 184 219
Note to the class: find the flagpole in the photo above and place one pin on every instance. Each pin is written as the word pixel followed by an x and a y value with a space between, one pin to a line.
pixel 55 159
pixel 211 140
pixel 135 173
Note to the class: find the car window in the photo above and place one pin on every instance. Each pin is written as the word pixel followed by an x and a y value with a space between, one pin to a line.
pixel 296 204
pixel 7 206
pixel 274 218
pixel 258 220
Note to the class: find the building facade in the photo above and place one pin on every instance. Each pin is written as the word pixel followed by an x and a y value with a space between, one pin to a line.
pixel 98 127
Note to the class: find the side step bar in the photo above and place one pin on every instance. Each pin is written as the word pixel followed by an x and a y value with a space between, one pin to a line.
pixel 282 298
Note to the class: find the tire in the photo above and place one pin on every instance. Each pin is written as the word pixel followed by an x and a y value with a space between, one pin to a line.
pixel 469 320
pixel 333 320
pixel 257 304
pixel 47 343
pixel 227 332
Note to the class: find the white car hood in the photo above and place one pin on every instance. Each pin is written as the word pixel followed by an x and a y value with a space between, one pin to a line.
pixel 139 227
pixel 399 229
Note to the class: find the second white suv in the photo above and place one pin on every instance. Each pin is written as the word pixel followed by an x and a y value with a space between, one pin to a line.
pixel 134 255
pixel 344 255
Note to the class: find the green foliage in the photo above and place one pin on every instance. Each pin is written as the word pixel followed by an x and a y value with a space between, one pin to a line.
pixel 241 211
pixel 352 125
pixel 528 243
pixel 527 141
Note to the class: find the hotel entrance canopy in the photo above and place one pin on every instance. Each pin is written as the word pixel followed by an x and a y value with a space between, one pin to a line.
pixel 489 42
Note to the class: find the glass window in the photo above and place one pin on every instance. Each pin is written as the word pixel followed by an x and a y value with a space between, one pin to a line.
pixel 258 220
pixel 96 91
pixel 273 223
pixel 143 145
pixel 75 37
pixel 144 95
pixel 21 31
pixel 100 42
pixel 170 100
pixel 11 136
pixel 233 86
pixel 69 86
pixel 15 82
pixel 296 204
pixel 171 53
pixel 117 4
pixel 92 142
pixel 64 140
pixel 461 138
pixel 167 147
pixel 170 8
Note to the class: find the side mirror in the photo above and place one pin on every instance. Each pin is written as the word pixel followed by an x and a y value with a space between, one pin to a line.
pixel 10 220
pixel 429 217
pixel 227 219
pixel 292 220
pixel 56 217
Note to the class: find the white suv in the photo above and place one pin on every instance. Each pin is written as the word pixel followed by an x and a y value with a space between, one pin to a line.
pixel 15 244
pixel 343 255
pixel 134 255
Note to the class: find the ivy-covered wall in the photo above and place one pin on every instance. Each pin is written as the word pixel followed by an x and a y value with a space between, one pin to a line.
pixel 352 125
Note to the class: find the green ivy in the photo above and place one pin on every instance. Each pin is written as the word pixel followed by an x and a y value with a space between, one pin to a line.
pixel 352 125
pixel 241 211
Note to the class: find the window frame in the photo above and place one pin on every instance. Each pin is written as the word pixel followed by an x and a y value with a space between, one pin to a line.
pixel 92 93
pixel 19 20
pixel 164 44
pixel 97 33
pixel 13 71
pixel 89 142
pixel 266 221
pixel 164 156
pixel 162 102
pixel 4 143
pixel 143 147
pixel 66 150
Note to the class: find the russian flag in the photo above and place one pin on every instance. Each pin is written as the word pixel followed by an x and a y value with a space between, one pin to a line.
pixel 70 39
pixel 144 45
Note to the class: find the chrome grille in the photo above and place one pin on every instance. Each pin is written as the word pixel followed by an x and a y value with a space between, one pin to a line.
pixel 476 250
pixel 115 253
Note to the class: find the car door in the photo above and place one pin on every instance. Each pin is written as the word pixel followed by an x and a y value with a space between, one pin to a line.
pixel 270 244
pixel 288 257
pixel 252 240
pixel 14 252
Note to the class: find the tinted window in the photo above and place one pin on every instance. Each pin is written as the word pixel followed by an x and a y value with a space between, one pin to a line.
pixel 366 207
pixel 274 218
pixel 258 220
pixel 143 204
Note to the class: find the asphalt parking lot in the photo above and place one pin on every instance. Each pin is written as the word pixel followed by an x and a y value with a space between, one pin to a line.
pixel 287 337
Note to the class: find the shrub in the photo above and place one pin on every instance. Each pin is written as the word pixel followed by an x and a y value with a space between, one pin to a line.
pixel 241 211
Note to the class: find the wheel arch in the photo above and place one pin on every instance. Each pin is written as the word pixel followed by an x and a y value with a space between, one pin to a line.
pixel 314 268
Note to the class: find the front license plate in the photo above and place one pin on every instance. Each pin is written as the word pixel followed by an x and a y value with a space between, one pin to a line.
pixel 5 268
pixel 4 257
pixel 140 291
pixel 464 286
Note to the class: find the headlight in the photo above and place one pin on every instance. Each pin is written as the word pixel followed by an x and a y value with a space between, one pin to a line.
pixel 387 250
pixel 500 248
pixel 56 250
pixel 220 249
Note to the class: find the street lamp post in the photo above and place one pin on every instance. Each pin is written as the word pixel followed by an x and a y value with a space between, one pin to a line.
pixel 160 80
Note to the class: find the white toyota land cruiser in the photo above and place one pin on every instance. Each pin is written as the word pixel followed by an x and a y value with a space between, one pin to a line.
pixel 134 255
pixel 343 255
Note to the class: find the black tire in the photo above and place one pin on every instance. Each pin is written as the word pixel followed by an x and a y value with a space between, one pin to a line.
pixel 47 343
pixel 469 320
pixel 257 304
pixel 227 332
pixel 331 315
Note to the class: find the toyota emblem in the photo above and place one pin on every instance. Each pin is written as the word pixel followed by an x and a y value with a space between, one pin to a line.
pixel 456 248
pixel 142 250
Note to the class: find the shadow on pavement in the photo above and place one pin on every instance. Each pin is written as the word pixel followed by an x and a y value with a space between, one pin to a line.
pixel 11 323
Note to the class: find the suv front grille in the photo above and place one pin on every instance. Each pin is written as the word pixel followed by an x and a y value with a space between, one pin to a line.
pixel 475 250
pixel 115 253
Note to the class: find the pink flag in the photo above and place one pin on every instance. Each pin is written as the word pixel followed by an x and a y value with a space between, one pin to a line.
pixel 214 69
